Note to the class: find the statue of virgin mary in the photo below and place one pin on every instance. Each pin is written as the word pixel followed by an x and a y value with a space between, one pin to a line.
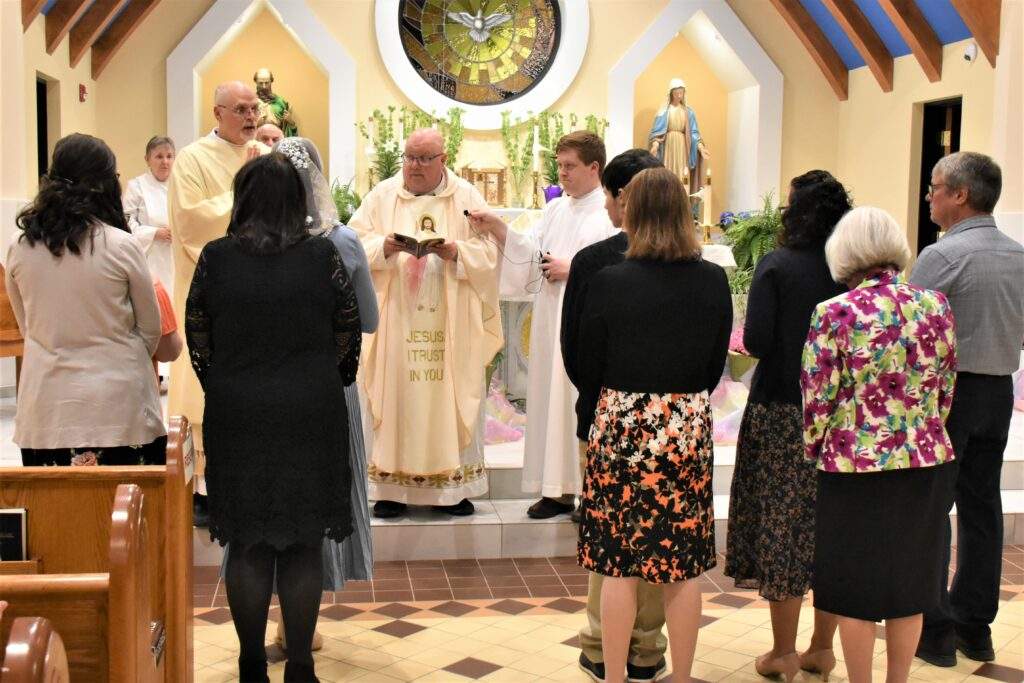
pixel 675 138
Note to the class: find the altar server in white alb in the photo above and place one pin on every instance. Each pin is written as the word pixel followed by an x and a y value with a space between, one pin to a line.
pixel 537 264
pixel 145 207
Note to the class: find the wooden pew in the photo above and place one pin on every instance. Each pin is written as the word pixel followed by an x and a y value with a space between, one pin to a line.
pixel 104 618
pixel 69 532
pixel 34 654
pixel 11 343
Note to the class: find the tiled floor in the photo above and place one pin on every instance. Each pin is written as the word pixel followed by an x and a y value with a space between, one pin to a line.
pixel 517 621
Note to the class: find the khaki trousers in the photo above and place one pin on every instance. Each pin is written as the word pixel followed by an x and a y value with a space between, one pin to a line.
pixel 647 644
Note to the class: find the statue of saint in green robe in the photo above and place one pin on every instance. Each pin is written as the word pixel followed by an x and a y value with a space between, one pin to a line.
pixel 273 108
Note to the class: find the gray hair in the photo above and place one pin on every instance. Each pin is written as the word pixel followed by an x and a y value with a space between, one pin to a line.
pixel 863 239
pixel 158 141
pixel 974 172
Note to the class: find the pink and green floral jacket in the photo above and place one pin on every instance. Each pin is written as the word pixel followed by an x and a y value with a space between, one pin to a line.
pixel 878 372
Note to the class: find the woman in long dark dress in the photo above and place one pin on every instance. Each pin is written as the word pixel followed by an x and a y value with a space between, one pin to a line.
pixel 273 332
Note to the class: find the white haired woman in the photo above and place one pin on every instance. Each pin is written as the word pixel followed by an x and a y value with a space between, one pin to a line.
pixel 877 379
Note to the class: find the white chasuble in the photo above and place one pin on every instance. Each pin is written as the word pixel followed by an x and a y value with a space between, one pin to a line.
pixel 199 201
pixel 423 370
pixel 145 206
pixel 551 455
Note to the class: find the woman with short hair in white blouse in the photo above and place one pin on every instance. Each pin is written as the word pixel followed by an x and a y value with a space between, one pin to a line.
pixel 86 307
pixel 145 207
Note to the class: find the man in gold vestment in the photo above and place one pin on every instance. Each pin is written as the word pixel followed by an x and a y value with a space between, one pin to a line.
pixel 199 206
pixel 423 370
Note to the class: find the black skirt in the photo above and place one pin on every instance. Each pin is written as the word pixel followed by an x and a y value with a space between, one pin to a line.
pixel 878 551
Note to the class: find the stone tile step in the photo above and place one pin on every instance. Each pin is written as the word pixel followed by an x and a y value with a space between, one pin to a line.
pixel 500 528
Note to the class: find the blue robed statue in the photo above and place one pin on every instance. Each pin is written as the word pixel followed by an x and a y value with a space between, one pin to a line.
pixel 675 138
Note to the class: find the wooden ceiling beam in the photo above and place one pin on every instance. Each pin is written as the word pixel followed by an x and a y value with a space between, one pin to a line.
pixel 30 9
pixel 906 16
pixel 982 19
pixel 60 19
pixel 107 45
pixel 89 28
pixel 821 50
pixel 864 38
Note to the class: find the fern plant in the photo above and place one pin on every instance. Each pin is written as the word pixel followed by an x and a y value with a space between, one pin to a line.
pixel 753 234
pixel 346 199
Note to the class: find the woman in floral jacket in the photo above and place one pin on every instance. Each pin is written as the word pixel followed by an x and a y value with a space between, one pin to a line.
pixel 877 381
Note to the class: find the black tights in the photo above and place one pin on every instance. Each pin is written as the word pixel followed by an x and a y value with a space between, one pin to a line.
pixel 249 578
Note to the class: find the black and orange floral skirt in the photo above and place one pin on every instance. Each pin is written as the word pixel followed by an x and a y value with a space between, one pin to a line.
pixel 648 506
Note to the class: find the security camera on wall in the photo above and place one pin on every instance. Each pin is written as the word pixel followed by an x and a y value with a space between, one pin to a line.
pixel 971 52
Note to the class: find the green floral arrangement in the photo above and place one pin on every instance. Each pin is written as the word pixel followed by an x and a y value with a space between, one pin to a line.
pixel 596 125
pixel 550 129
pixel 752 234
pixel 379 130
pixel 452 129
pixel 346 199
pixel 518 149
pixel 412 118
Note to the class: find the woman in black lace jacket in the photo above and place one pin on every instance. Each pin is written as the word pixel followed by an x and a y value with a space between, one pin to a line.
pixel 273 331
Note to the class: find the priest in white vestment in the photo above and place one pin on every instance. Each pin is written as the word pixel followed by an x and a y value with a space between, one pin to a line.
pixel 145 207
pixel 199 207
pixel 537 264
pixel 423 370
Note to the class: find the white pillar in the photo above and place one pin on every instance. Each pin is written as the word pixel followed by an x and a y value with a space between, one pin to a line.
pixel 1008 119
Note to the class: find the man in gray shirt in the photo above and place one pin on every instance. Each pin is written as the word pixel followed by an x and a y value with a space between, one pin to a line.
pixel 981 272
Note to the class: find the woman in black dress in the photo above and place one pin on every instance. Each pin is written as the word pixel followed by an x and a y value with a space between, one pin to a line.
pixel 273 332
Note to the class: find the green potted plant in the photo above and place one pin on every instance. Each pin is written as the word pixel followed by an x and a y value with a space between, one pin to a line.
pixel 379 130
pixel 346 199
pixel 751 234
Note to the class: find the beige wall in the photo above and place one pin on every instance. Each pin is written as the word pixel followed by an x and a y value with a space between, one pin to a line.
pixel 705 94
pixel 879 133
pixel 297 78
pixel 72 116
pixel 132 91
pixel 809 106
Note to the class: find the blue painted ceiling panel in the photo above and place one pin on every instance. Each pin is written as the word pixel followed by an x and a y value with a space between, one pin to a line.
pixel 884 27
pixel 945 20
pixel 940 14
pixel 834 32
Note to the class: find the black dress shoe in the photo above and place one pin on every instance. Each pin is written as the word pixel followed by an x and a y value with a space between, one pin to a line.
pixel 386 509
pixel 593 669
pixel 645 674
pixel 546 508
pixel 936 653
pixel 200 511
pixel 980 650
pixel 461 509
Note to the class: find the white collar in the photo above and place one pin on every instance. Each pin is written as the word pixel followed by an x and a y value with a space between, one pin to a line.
pixel 216 136
pixel 588 198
